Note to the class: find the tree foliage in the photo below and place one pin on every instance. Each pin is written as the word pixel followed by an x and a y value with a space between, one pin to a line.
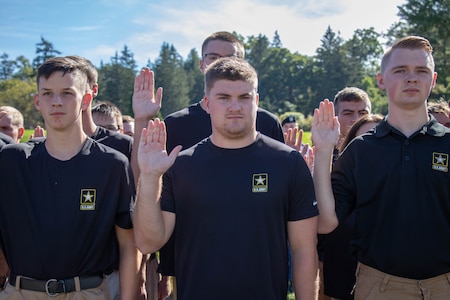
pixel 44 51
pixel 288 82
pixel 170 74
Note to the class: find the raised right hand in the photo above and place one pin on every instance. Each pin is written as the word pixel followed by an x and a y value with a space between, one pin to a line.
pixel 152 155
pixel 325 127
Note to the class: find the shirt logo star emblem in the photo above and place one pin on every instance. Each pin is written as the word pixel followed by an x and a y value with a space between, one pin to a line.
pixel 260 183
pixel 87 199
pixel 440 162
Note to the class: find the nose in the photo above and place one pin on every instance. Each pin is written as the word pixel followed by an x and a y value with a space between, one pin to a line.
pixel 411 77
pixel 56 100
pixel 235 105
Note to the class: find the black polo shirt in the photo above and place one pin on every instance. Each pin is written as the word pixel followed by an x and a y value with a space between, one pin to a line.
pixel 399 188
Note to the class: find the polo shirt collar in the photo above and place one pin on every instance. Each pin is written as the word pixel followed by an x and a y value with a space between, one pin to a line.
pixel 433 128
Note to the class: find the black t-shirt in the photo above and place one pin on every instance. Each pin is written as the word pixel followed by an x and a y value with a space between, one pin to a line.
pixel 58 218
pixel 232 208
pixel 116 140
pixel 399 188
pixel 189 126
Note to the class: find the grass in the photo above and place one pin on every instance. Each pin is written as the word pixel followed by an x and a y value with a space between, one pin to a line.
pixel 307 137
pixel 26 135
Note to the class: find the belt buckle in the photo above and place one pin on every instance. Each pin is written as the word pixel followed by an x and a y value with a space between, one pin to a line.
pixel 47 286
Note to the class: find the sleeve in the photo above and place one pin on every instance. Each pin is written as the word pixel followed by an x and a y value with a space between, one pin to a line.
pixel 127 193
pixel 342 181
pixel 302 198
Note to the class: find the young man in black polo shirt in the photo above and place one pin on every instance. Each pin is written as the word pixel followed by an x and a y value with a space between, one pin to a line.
pixel 397 180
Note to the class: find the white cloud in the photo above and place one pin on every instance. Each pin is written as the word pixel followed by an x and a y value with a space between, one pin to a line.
pixel 300 24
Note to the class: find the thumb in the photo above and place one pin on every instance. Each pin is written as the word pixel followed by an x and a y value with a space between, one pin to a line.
pixel 174 153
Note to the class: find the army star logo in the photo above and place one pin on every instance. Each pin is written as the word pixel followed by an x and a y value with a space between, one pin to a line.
pixel 87 199
pixel 260 183
pixel 440 162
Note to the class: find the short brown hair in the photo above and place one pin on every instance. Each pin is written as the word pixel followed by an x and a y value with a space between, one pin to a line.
pixel 226 37
pixel 230 68
pixel 352 94
pixel 65 65
pixel 409 42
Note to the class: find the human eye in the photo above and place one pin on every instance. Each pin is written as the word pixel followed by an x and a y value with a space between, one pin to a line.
pixel 246 97
pixel 424 70
pixel 364 112
pixel 212 56
pixel 68 93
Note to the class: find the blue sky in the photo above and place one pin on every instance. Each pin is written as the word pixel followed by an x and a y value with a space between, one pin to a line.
pixel 97 29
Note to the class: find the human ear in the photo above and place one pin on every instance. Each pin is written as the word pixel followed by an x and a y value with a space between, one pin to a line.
pixel 36 101
pixel 380 81
pixel 86 101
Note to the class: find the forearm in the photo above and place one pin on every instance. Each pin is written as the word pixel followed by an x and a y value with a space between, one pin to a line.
pixel 148 218
pixel 304 272
pixel 139 124
pixel 323 190
pixel 129 265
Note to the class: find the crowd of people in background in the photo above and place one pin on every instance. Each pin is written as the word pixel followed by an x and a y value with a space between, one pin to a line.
pixel 221 199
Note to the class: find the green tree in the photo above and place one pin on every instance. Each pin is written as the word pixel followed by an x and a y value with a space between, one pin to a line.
pixel 257 48
pixel 7 67
pixel 44 51
pixel 170 74
pixel 116 80
pixel 194 76
pixel 24 69
pixel 331 69
pixel 276 42
pixel 363 52
pixel 19 94
pixel 127 59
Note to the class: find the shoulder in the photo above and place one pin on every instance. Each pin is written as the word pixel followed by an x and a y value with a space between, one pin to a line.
pixel 266 114
pixel 187 112
pixel 270 143
pixel 20 150
pixel 115 140
pixel 6 139
pixel 101 151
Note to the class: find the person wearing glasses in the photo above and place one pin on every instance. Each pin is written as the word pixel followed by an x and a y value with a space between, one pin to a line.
pixel 244 197
pixel 107 115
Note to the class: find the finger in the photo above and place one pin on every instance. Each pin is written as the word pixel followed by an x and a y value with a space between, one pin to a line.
pixel 143 141
pixel 156 130
pixel 159 94
pixel 174 153
pixel 300 138
pixel 138 81
pixel 151 81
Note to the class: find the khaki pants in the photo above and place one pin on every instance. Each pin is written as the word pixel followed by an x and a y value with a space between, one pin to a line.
pixel 372 284
pixel 98 293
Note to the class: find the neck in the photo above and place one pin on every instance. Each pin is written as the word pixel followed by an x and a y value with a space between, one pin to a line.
pixel 234 143
pixel 89 126
pixel 64 145
pixel 408 121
